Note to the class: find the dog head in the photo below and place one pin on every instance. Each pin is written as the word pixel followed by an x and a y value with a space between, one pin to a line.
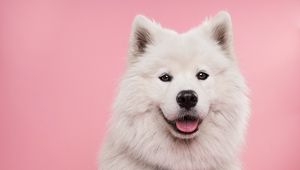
pixel 182 76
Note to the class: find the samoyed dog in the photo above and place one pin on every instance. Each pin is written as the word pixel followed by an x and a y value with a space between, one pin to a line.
pixel 182 103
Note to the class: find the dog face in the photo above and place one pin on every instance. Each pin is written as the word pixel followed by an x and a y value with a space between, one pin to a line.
pixel 183 76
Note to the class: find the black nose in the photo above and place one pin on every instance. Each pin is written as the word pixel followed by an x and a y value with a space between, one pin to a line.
pixel 187 99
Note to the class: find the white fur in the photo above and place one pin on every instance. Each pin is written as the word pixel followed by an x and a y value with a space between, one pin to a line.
pixel 139 138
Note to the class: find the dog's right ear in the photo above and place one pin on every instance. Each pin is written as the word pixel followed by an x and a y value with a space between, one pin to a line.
pixel 141 37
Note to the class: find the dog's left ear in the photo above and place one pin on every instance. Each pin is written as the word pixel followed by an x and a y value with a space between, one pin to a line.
pixel 142 36
pixel 220 29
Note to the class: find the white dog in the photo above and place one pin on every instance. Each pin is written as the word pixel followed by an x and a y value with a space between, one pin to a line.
pixel 182 103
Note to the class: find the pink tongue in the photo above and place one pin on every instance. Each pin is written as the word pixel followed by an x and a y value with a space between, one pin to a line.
pixel 187 126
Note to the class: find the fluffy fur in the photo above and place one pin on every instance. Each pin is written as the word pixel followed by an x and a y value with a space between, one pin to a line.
pixel 138 135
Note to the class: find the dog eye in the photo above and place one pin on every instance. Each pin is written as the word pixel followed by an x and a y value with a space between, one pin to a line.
pixel 165 77
pixel 202 76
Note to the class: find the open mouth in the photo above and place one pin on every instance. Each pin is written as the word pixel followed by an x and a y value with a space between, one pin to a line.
pixel 186 125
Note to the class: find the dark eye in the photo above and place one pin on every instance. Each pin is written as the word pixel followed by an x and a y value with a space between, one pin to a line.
pixel 201 75
pixel 165 77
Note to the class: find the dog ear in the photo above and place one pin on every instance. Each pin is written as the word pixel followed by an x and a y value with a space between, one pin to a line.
pixel 220 29
pixel 142 36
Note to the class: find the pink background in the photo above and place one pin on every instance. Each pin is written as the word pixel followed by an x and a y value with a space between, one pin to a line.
pixel 60 62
